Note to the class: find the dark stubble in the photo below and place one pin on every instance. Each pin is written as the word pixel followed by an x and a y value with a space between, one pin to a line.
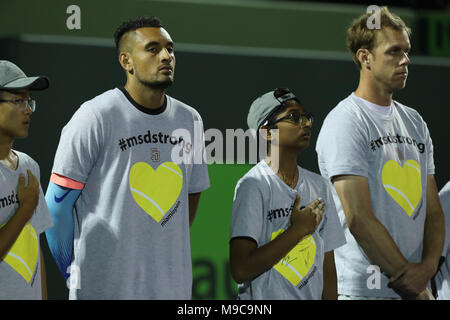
pixel 163 84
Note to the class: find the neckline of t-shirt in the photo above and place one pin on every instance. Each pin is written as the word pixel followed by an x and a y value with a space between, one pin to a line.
pixel 141 108
pixel 18 163
pixel 299 181
pixel 374 108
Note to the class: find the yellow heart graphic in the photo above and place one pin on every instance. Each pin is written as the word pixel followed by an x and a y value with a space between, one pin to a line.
pixel 296 264
pixel 155 191
pixel 404 185
pixel 23 255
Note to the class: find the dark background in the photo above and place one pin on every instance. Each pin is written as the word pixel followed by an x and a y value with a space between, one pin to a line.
pixel 228 53
pixel 220 86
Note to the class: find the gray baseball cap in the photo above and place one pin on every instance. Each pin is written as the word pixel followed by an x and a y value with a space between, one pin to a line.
pixel 12 77
pixel 266 105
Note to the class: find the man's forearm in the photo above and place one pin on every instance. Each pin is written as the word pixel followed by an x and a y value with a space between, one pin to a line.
pixel 434 234
pixel 368 231
pixel 378 245
pixel 60 237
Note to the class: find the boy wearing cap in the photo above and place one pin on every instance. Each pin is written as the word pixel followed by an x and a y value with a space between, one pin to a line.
pixel 23 210
pixel 284 225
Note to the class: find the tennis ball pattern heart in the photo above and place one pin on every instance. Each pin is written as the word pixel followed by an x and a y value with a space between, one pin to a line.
pixel 155 191
pixel 23 255
pixel 296 264
pixel 403 184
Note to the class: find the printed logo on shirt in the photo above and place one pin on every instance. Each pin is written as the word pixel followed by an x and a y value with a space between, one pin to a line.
pixel 9 200
pixel 404 184
pixel 155 191
pixel 23 255
pixel 297 264
pixel 149 138
pixel 155 155
pixel 279 213
pixel 397 139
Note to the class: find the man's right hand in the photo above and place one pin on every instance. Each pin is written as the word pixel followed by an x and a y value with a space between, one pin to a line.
pixel 411 280
pixel 308 218
pixel 28 195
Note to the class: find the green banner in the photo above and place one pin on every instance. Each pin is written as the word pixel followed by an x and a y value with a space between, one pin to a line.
pixel 210 235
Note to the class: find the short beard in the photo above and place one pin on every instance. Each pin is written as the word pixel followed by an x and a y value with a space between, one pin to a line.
pixel 160 85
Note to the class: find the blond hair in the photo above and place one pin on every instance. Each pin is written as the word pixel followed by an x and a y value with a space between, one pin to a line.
pixel 360 36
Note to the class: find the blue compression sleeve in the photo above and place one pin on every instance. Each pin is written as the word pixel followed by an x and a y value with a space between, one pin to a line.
pixel 60 202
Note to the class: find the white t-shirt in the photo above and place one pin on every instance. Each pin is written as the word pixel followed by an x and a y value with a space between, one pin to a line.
pixel 443 275
pixel 261 210
pixel 132 237
pixel 20 269
pixel 395 153
pixel 382 110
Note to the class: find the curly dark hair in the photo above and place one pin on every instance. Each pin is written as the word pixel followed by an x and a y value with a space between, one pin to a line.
pixel 133 24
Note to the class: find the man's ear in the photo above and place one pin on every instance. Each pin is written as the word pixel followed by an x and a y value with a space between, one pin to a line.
pixel 126 61
pixel 364 56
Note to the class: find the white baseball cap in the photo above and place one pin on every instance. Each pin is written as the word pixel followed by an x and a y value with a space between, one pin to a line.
pixel 12 77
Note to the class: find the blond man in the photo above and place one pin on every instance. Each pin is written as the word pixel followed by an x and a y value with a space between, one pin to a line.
pixel 379 156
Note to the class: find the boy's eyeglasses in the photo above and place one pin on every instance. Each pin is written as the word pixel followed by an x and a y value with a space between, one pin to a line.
pixel 23 103
pixel 295 117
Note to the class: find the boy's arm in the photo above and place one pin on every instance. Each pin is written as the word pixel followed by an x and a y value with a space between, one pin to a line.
pixel 329 277
pixel 247 260
pixel 194 200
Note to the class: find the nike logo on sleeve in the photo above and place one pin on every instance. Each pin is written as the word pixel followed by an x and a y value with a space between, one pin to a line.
pixel 59 199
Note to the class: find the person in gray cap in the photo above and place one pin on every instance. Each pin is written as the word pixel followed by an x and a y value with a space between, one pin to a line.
pixel 23 211
pixel 284 224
